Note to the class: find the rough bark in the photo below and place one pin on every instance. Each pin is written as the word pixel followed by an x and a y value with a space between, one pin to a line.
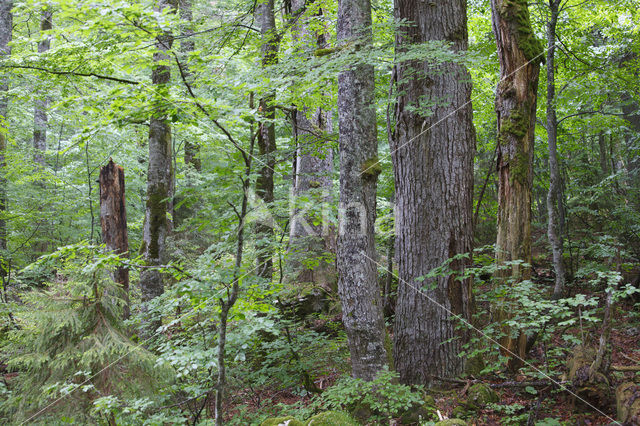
pixel 160 172
pixel 187 46
pixel 40 110
pixel 434 146
pixel 311 235
pixel 554 231
pixel 113 221
pixel 357 272
pixel 520 54
pixel 6 26
pixel 266 137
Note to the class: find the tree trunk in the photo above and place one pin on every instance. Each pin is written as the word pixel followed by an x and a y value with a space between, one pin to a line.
pixel 113 220
pixel 432 157
pixel 554 231
pixel 40 109
pixel 160 173
pixel 311 235
pixel 359 169
pixel 266 138
pixel 6 32
pixel 187 46
pixel 520 54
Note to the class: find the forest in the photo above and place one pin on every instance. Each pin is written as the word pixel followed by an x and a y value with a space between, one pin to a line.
pixel 320 212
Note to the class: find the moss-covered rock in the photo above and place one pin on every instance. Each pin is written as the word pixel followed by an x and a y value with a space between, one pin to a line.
pixel 452 422
pixel 416 414
pixel 420 412
pixel 460 412
pixel 332 418
pixel 361 412
pixel 287 421
pixel 628 403
pixel 481 395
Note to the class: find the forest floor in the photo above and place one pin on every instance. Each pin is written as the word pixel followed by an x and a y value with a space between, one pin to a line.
pixel 519 403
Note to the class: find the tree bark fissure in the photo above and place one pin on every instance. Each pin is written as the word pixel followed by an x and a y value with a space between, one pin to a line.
pixel 157 224
pixel 520 54
pixel 113 221
pixel 554 231
pixel 357 272
pixel 40 110
pixel 266 137
pixel 311 235
pixel 434 186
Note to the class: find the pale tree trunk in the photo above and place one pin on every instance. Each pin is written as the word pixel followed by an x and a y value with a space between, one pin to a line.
pixel 160 173
pixel 40 109
pixel 6 27
pixel 432 153
pixel 520 54
pixel 187 46
pixel 266 138
pixel 554 231
pixel 357 268
pixel 311 235
pixel 113 221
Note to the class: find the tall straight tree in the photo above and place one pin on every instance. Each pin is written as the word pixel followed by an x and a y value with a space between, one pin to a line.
pixel 357 272
pixel 266 136
pixel 312 175
pixel 187 46
pixel 40 110
pixel 6 33
pixel 432 152
pixel 520 54
pixel 554 230
pixel 160 172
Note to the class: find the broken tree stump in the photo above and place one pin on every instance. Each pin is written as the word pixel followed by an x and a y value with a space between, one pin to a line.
pixel 113 220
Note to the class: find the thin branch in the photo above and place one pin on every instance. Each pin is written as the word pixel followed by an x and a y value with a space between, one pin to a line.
pixel 73 73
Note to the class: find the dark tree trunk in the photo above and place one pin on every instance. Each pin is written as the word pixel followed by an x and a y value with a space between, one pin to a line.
pixel 311 235
pixel 266 138
pixel 554 231
pixel 160 172
pixel 432 157
pixel 6 32
pixel 113 220
pixel 40 109
pixel 520 54
pixel 187 46
pixel 357 271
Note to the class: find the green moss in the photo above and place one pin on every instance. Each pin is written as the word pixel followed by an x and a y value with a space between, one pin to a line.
pixel 481 395
pixel 516 12
pixel 324 52
pixel 275 421
pixel 331 418
pixel 371 168
pixel 517 125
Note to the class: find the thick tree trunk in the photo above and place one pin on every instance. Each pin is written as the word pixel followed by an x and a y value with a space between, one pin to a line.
pixel 357 272
pixel 40 109
pixel 554 231
pixel 187 46
pixel 6 32
pixel 266 138
pixel 311 235
pixel 432 157
pixel 520 54
pixel 160 173
pixel 113 220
